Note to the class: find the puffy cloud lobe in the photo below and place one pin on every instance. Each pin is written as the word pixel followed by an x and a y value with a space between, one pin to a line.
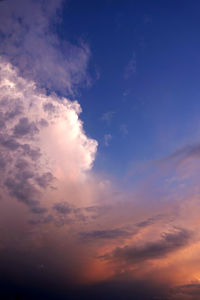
pixel 37 142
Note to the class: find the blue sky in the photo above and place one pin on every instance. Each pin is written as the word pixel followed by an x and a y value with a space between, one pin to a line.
pixel 152 109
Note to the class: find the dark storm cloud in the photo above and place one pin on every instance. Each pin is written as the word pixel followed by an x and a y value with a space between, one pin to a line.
pixel 169 242
pixel 105 234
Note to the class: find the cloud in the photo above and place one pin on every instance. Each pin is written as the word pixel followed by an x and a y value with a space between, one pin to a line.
pixel 62 208
pixel 105 234
pixel 28 41
pixel 130 69
pixel 152 250
pixel 186 292
pixel 107 138
pixel 24 128
pixel 124 129
pixel 55 139
pixel 185 153
pixel 149 221
pixel 107 116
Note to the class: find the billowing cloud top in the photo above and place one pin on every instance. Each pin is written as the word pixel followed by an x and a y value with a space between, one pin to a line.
pixel 41 137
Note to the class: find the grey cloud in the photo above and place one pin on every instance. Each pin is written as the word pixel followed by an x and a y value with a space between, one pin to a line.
pixel 2 162
pixel 105 234
pixel 49 107
pixel 90 212
pixel 63 208
pixel 13 113
pixel 34 154
pixel 40 218
pixel 22 164
pixel 22 190
pixel 24 127
pixel 26 174
pixel 153 250
pixel 39 210
pixel 93 208
pixel 44 180
pixel 149 221
pixel 2 124
pixel 9 143
pixel 189 151
pixel 188 291
pixel 43 123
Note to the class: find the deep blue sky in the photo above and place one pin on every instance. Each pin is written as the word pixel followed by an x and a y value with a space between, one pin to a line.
pixel 155 108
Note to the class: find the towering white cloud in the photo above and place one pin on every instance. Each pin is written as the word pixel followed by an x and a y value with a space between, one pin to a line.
pixel 42 138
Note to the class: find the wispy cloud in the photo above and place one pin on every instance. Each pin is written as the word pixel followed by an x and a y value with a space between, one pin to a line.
pixel 130 68
pixel 107 117
pixel 124 129
pixel 107 139
pixel 153 250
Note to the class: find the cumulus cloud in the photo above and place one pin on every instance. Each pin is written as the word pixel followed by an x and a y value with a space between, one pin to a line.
pixel 39 145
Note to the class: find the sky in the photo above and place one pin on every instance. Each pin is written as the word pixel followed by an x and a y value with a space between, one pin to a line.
pixel 99 149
